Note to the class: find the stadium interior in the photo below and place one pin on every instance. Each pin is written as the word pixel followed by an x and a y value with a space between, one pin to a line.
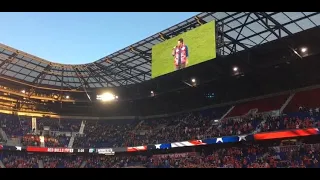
pixel 256 105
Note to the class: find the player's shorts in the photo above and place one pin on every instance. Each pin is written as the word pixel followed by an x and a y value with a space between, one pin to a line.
pixel 180 66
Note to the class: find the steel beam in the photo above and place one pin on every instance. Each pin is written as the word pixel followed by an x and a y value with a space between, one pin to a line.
pixel 41 75
pixel 118 65
pixel 239 33
pixel 6 62
pixel 246 24
pixel 121 64
pixel 278 25
pixel 267 30
pixel 137 65
pixel 233 41
pixel 81 78
pixel 144 55
pixel 93 75
pixel 68 85
pixel 97 73
pixel 128 73
pixel 104 70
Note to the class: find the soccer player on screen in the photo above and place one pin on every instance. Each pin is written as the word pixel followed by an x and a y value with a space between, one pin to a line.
pixel 180 54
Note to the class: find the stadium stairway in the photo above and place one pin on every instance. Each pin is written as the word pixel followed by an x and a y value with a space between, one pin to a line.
pixel 2 165
pixel 258 128
pixel 3 134
pixel 138 125
pixel 83 124
pixel 225 115
pixel 81 130
pixel 14 142
pixel 286 103
pixel 10 141
pixel 70 144
pixel 83 164
pixel 40 164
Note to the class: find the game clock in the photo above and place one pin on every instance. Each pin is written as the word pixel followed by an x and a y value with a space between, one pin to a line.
pixel 81 150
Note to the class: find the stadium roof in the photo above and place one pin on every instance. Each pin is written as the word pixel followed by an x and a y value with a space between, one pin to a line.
pixel 236 31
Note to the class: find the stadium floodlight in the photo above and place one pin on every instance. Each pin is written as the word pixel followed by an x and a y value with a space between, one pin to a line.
pixel 304 49
pixel 106 97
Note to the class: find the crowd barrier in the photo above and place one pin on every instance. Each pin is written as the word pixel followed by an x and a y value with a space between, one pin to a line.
pixel 209 141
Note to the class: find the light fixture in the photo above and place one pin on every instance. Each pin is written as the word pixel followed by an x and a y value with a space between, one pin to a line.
pixel 235 69
pixel 304 49
pixel 106 97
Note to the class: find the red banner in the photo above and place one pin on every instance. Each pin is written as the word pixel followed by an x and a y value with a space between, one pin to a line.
pixel 137 148
pixel 37 149
pixel 45 149
pixel 286 134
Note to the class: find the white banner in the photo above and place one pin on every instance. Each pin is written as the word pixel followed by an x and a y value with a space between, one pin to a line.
pixel 108 151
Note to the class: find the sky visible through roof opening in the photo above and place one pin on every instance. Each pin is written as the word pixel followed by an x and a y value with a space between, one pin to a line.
pixel 78 38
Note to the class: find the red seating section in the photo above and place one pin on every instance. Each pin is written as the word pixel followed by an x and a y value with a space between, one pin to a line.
pixel 309 98
pixel 263 105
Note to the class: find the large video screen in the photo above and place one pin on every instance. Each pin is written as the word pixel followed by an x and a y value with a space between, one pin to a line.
pixel 185 50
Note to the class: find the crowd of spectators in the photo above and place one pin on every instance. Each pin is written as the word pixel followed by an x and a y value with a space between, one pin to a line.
pixel 305 118
pixel 311 111
pixel 54 141
pixel 62 161
pixel 190 126
pixel 19 160
pixel 126 133
pixel 296 156
pixel 115 161
pixel 106 134
pixel 12 125
pixel 153 131
pixel 59 125
pixel 57 141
